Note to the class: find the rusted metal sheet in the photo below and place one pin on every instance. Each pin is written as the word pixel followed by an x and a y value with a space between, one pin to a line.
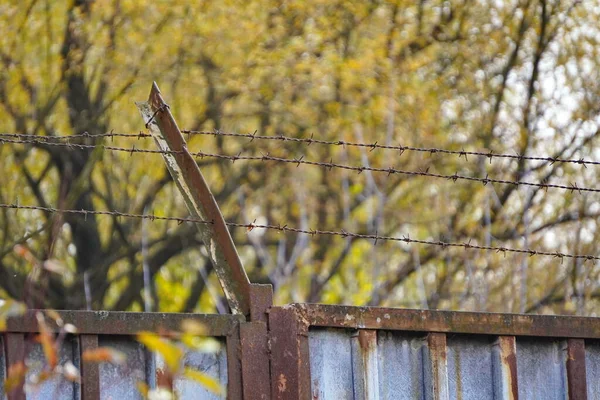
pixel 576 371
pixel 290 364
pixel 255 361
pixel 449 321
pixel 90 371
pixel 505 368
pixel 261 299
pixel 128 323
pixel 365 365
pixel 234 366
pixel 199 200
pixel 436 367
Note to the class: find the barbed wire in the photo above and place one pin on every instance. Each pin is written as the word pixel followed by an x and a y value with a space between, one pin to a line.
pixel 327 165
pixel 84 135
pixel 400 148
pixel 312 232
pixel 82 146
pixel 150 217
pixel 308 141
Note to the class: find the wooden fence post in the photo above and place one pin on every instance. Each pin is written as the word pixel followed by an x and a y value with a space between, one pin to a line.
pixel 199 200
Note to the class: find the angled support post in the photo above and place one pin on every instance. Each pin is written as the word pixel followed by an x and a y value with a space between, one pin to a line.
pixel 199 200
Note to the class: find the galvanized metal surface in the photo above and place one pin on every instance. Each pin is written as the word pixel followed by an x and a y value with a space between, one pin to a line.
pixel 199 200
pixel 436 366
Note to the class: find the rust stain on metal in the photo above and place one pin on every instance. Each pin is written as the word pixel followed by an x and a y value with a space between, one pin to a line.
pixel 576 370
pixel 199 200
pixel 508 359
pixel 368 370
pixel 438 360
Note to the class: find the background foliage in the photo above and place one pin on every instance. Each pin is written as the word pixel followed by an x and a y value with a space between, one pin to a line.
pixel 506 76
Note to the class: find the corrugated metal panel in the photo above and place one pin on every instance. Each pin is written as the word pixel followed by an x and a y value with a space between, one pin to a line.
pixel 541 369
pixel 348 364
pixel 592 363
pixel 54 387
pixel 331 364
pixel 119 381
pixel 470 368
pixel 214 365
pixel 400 365
pixel 116 381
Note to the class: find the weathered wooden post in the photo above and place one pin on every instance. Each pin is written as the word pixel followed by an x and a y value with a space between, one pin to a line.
pixel 199 200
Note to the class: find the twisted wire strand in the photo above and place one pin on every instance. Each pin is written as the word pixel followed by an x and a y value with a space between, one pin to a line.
pixel 327 165
pixel 312 232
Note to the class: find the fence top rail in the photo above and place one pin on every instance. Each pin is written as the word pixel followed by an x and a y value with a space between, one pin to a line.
pixel 320 315
pixel 127 323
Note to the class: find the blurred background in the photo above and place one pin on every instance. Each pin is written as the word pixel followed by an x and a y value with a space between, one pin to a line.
pixel 508 77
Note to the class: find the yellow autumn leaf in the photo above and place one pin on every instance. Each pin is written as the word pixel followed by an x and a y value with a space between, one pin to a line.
pixel 171 353
pixel 205 380
pixel 143 388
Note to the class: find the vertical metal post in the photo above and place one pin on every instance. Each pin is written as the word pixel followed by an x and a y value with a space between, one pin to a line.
pixel 576 370
pixel 199 200
pixel 14 344
pixel 290 362
pixel 90 371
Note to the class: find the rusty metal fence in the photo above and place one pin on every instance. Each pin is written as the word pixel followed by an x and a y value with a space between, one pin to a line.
pixel 311 351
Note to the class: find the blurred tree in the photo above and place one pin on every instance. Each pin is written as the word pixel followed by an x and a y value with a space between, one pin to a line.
pixel 509 77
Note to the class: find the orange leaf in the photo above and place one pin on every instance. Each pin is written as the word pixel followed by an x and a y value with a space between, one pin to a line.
pixel 15 377
pixel 47 341
pixel 105 354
